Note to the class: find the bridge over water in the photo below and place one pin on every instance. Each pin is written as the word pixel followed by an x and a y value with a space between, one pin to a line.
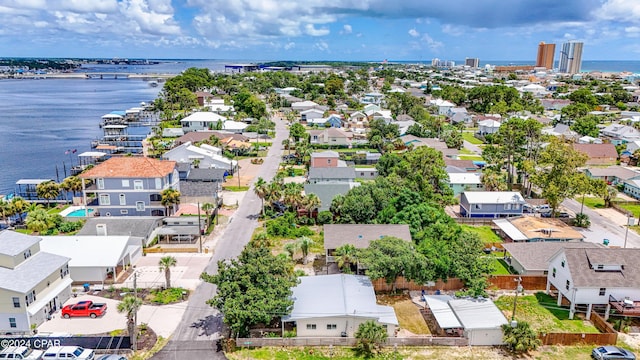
pixel 93 75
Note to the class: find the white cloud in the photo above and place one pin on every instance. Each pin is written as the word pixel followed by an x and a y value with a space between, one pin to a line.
pixel 289 45
pixel 321 45
pixel 311 30
pixel 414 33
pixel 620 10
pixel 346 29
pixel 452 30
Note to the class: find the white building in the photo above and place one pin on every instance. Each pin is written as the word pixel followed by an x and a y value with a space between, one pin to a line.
pixel 335 305
pixel 207 156
pixel 202 120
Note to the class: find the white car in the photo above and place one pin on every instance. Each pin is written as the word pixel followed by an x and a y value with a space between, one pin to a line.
pixel 20 352
pixel 68 352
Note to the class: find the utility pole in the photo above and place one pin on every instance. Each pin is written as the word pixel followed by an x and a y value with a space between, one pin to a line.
pixel 135 315
pixel 199 228
pixel 630 222
pixel 515 301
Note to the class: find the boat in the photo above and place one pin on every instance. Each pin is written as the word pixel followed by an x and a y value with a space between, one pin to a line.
pixel 153 83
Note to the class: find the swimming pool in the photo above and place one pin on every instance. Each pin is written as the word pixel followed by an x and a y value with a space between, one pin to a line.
pixel 74 211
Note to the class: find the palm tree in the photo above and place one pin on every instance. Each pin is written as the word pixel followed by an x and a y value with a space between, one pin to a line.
pixel 305 243
pixel 291 249
pixel 130 306
pixel 345 255
pixel 311 202
pixel 260 188
pixel 292 195
pixel 39 220
pixel 370 337
pixel 165 264
pixel 19 206
pixel 5 211
pixel 71 184
pixel 208 208
pixel 48 190
pixel 170 197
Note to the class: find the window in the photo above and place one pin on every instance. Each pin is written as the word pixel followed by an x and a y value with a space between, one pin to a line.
pixel 602 291
pixel 137 185
pixel 12 323
pixel 27 254
pixel 507 206
pixel 124 212
pixel 562 263
pixel 158 183
pixel 123 199
pixel 16 302
pixel 64 271
pixel 600 267
pixel 567 285
pixel 477 206
pixel 311 326
pixel 328 161
pixel 125 183
pixel 554 272
pixel 100 183
pixel 104 199
pixel 332 326
pixel 139 205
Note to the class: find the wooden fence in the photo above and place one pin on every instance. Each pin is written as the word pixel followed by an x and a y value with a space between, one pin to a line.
pixel 475 221
pixel 156 250
pixel 608 335
pixel 344 341
pixel 502 282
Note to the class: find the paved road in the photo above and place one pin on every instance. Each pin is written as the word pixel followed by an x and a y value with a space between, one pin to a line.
pixel 603 228
pixel 195 336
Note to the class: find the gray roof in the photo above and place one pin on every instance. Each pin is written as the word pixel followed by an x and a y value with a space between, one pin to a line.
pixel 137 226
pixel 579 262
pixel 477 313
pixel 360 235
pixel 327 191
pixel 31 272
pixel 332 173
pixel 198 174
pixel 338 295
pixel 617 171
pixel 325 154
pixel 535 255
pixel 198 188
pixel 13 243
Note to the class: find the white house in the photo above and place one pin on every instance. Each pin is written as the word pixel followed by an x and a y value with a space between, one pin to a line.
pixel 491 203
pixel 94 259
pixel 202 120
pixel 443 105
pixel 465 181
pixel 234 126
pixel 311 114
pixel 601 276
pixel 206 156
pixel 303 105
pixel 217 106
pixel 488 127
pixel 335 305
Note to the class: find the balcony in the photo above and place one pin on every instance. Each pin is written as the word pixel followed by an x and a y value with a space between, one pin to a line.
pixel 625 307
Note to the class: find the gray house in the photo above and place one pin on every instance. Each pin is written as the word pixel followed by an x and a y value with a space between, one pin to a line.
pixel 491 204
pixel 326 183
pixel 129 186
pixel 359 235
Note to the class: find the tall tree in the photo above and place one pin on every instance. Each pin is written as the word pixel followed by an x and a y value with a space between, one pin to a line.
pixel 48 190
pixel 558 174
pixel 130 306
pixel 38 220
pixel 19 206
pixel 260 188
pixel 71 184
pixel 369 338
pixel 169 198
pixel 345 256
pixel 165 264
pixel 254 288
pixel 304 244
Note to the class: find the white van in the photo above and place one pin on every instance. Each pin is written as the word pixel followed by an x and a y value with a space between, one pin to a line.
pixel 67 352
pixel 20 352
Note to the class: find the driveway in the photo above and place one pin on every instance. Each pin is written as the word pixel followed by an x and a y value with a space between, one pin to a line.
pixel 162 319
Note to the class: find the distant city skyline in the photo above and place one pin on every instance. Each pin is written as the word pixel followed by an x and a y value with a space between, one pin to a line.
pixel 366 30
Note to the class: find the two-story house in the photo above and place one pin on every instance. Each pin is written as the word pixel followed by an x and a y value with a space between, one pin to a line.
pixel 130 186
pixel 203 120
pixel 204 156
pixel 604 277
pixel 492 204
pixel 33 283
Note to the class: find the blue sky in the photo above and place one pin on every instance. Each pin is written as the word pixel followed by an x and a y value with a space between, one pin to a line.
pixel 317 29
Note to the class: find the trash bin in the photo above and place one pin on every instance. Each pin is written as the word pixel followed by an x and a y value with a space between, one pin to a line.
pixel 86 287
pixel 605 241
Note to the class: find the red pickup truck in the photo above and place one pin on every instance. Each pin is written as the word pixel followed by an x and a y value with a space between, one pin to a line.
pixel 84 308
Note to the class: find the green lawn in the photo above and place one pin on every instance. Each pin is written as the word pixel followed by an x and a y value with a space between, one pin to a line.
pixel 542 313
pixel 484 233
pixel 470 157
pixel 470 138
pixel 592 202
pixel 236 188
pixel 634 209
pixel 500 267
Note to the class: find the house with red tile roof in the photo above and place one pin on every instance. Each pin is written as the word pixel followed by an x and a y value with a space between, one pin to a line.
pixel 129 186
pixel 598 154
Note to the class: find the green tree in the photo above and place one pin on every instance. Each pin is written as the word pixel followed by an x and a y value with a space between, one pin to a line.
pixel 19 206
pixel 208 208
pixel 254 288
pixel 297 132
pixel 260 188
pixel 165 264
pixel 5 211
pixel 169 198
pixel 345 255
pixel 38 220
pixel 130 306
pixel 48 190
pixel 558 174
pixel 389 257
pixel 521 338
pixel 304 244
pixel 586 126
pixel 71 184
pixel 369 339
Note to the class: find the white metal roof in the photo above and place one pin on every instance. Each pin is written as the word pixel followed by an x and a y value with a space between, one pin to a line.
pixel 494 197
pixel 87 251
pixel 439 305
pixel 31 272
pixel 464 178
pixel 477 313
pixel 338 295
pixel 92 154
pixel 205 116
pixel 508 228
pixel 13 243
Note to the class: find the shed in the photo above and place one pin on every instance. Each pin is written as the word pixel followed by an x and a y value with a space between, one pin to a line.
pixel 481 319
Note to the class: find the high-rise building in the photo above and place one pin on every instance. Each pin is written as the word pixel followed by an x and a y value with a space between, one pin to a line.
pixel 472 62
pixel 545 55
pixel 571 57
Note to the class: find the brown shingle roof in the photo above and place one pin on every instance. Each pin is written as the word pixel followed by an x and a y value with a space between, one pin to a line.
pixel 534 256
pixel 129 167
pixel 579 263
pixel 360 235
pixel 598 150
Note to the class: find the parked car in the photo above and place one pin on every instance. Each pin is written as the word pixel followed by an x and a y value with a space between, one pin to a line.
pixel 84 308
pixel 526 208
pixel 543 208
pixel 561 214
pixel 111 357
pixel 68 352
pixel 20 352
pixel 612 352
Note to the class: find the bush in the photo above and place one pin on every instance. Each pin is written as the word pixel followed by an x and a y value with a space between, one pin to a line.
pixel 285 226
pixel 167 296
pixel 325 217
pixel 582 220
pixel 521 338
pixel 304 220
